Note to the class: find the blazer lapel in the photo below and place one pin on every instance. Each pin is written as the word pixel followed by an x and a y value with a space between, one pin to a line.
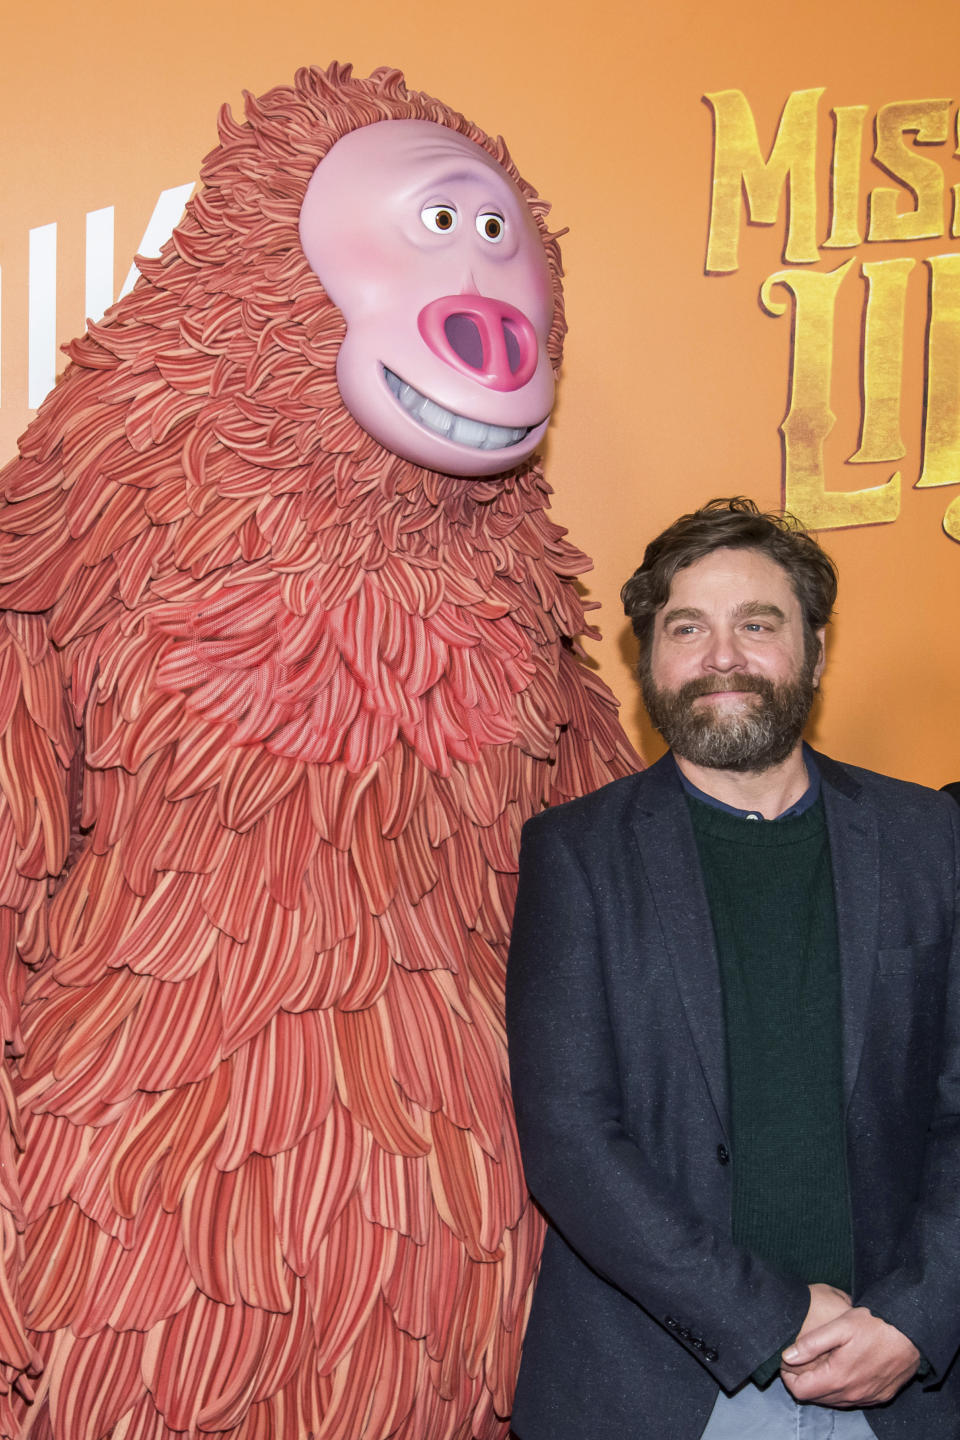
pixel 668 853
pixel 855 856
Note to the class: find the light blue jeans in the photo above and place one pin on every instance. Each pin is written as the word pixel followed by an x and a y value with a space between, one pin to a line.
pixel 773 1414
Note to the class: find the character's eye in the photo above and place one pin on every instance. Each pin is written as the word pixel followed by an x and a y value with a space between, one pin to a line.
pixel 439 218
pixel 491 226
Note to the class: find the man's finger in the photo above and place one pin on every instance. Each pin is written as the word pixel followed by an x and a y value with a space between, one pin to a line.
pixel 815 1343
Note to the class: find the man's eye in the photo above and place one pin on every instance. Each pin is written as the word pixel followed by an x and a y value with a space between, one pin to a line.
pixel 441 219
pixel 491 226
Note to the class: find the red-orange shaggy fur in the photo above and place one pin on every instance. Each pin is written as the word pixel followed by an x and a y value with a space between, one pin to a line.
pixel 274 705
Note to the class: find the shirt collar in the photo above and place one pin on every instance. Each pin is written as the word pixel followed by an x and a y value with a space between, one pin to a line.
pixel 808 798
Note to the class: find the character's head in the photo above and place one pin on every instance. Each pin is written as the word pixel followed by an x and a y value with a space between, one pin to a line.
pixel 433 257
pixel 730 607
pixel 390 243
pixel 211 393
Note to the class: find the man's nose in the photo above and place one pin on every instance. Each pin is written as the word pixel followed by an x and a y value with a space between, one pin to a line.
pixel 724 652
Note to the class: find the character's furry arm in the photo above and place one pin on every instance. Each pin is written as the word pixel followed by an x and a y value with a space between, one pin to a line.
pixel 592 748
pixel 36 749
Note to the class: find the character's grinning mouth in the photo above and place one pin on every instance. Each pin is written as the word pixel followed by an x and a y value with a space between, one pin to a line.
pixel 474 433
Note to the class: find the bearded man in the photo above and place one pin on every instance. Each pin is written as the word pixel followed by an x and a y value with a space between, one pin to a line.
pixel 734 1027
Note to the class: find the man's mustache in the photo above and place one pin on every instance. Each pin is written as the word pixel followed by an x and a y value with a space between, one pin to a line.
pixel 718 684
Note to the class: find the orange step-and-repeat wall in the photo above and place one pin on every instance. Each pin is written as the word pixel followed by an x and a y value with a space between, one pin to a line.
pixel 763 267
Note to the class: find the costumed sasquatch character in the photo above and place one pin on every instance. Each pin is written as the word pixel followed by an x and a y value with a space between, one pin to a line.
pixel 288 659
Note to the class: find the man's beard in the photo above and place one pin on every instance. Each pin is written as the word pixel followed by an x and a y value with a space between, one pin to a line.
pixel 755 736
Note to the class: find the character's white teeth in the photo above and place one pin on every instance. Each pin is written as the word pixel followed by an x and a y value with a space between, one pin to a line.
pixel 436 418
pixel 469 432
pixel 473 433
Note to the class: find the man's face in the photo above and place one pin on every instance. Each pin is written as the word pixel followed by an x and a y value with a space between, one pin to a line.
pixel 728 681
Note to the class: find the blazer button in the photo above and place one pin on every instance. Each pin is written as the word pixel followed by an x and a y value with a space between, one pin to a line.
pixel 696 1342
pixel 723 1155
pixel 710 1355
pixel 684 1333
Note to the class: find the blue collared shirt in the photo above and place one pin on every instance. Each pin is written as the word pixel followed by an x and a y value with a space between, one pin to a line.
pixel 808 798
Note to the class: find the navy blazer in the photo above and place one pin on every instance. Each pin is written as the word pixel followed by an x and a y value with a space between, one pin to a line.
pixel 644 1305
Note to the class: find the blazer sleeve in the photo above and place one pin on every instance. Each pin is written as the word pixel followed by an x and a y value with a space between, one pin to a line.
pixel 921 1295
pixel 614 1205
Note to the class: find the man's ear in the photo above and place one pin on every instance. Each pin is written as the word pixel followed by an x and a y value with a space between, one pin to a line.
pixel 822 655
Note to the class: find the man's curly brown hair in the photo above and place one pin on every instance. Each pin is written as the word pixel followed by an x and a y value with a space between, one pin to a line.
pixel 734 523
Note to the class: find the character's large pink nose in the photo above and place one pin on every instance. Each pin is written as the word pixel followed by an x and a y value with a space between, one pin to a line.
pixel 489 340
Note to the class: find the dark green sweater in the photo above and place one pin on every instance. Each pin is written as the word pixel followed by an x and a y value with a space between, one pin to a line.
pixel 770 890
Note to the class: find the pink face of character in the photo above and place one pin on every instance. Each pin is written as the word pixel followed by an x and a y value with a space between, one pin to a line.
pixel 432 256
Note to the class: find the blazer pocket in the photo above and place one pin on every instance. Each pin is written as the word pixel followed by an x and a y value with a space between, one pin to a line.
pixel 912 959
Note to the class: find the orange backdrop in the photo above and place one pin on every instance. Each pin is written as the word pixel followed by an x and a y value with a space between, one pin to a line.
pixel 676 380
